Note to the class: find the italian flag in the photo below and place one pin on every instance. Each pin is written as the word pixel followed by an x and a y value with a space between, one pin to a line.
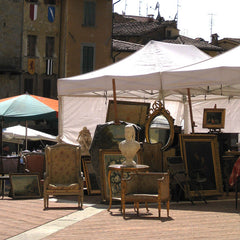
pixel 33 11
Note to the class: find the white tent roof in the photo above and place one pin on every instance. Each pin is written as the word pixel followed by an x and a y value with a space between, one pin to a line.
pixel 219 75
pixel 140 71
pixel 137 76
pixel 18 132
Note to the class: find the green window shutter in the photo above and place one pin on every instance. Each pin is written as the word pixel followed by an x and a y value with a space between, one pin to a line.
pixel 88 59
pixel 89 13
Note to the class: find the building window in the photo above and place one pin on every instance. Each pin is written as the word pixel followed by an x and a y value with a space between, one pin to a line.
pixel 46 87
pixel 28 85
pixel 53 2
pixel 32 1
pixel 169 33
pixel 89 13
pixel 49 47
pixel 31 46
pixel 88 56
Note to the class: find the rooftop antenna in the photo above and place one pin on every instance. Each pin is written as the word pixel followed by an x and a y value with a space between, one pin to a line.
pixel 140 9
pixel 211 23
pixel 176 16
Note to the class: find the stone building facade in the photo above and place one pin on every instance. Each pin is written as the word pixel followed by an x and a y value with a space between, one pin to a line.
pixel 29 48
pixel 42 40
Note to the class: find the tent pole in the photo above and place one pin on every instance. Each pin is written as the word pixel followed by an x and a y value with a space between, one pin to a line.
pixel 1 138
pixel 115 102
pixel 190 108
pixel 161 92
pixel 26 136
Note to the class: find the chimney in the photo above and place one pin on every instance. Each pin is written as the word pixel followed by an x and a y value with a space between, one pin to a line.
pixel 150 17
pixel 214 39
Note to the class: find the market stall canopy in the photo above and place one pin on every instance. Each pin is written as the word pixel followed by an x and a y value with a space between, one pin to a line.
pixel 84 98
pixel 18 133
pixel 219 75
pixel 28 107
pixel 137 75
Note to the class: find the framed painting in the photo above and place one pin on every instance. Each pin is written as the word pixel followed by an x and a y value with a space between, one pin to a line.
pixel 214 118
pixel 90 177
pixel 108 157
pixel 201 156
pixel 132 112
pixel 25 185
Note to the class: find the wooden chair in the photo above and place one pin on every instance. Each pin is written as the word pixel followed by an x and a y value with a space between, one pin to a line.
pixel 35 163
pixel 146 187
pixel 63 172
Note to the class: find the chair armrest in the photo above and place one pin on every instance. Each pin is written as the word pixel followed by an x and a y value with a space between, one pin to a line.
pixel 163 187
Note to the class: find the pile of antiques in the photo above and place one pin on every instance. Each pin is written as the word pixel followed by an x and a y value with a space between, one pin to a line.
pixel 140 156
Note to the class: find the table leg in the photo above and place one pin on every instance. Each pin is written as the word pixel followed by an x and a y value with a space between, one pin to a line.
pixel 3 188
pixel 110 190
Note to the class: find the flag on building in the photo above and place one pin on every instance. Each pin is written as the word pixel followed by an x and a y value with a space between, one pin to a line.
pixel 51 13
pixel 33 11
pixel 49 67
pixel 31 66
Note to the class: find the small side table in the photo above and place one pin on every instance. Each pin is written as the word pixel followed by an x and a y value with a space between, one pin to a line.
pixel 122 168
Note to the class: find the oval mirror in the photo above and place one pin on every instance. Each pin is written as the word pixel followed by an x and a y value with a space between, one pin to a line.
pixel 159 127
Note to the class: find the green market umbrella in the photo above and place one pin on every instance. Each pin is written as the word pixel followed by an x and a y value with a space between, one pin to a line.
pixel 27 107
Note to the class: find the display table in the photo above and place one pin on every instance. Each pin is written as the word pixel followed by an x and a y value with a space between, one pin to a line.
pixel 122 168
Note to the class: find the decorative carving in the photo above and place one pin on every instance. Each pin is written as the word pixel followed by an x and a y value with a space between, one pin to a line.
pixel 85 140
pixel 164 126
pixel 129 146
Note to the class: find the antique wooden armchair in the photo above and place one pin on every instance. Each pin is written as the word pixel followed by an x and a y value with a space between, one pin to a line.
pixel 63 172
pixel 146 187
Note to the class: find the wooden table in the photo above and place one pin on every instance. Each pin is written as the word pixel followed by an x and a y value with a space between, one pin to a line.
pixel 122 168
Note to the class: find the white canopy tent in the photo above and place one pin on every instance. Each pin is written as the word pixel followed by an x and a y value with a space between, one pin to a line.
pixel 138 75
pixel 141 77
pixel 18 132
pixel 218 76
pixel 83 99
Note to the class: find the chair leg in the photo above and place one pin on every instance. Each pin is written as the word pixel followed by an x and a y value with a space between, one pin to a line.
pixel 123 208
pixel 45 199
pixel 79 201
pixel 134 206
pixel 159 208
pixel 168 206
pixel 146 205
pixel 137 208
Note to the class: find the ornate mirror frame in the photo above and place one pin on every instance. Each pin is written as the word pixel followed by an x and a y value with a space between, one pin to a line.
pixel 157 110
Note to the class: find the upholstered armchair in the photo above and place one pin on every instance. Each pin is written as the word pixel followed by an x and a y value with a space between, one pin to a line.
pixel 63 172
pixel 146 187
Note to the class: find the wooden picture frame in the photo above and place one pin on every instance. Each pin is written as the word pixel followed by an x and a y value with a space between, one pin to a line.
pixel 25 185
pixel 90 177
pixel 214 118
pixel 108 157
pixel 132 112
pixel 202 162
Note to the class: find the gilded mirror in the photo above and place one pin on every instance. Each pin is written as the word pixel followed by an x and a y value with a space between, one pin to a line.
pixel 159 126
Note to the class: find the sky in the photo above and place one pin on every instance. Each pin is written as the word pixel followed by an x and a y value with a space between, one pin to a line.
pixel 196 18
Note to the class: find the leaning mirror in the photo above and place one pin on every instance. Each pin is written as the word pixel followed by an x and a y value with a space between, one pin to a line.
pixel 159 126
